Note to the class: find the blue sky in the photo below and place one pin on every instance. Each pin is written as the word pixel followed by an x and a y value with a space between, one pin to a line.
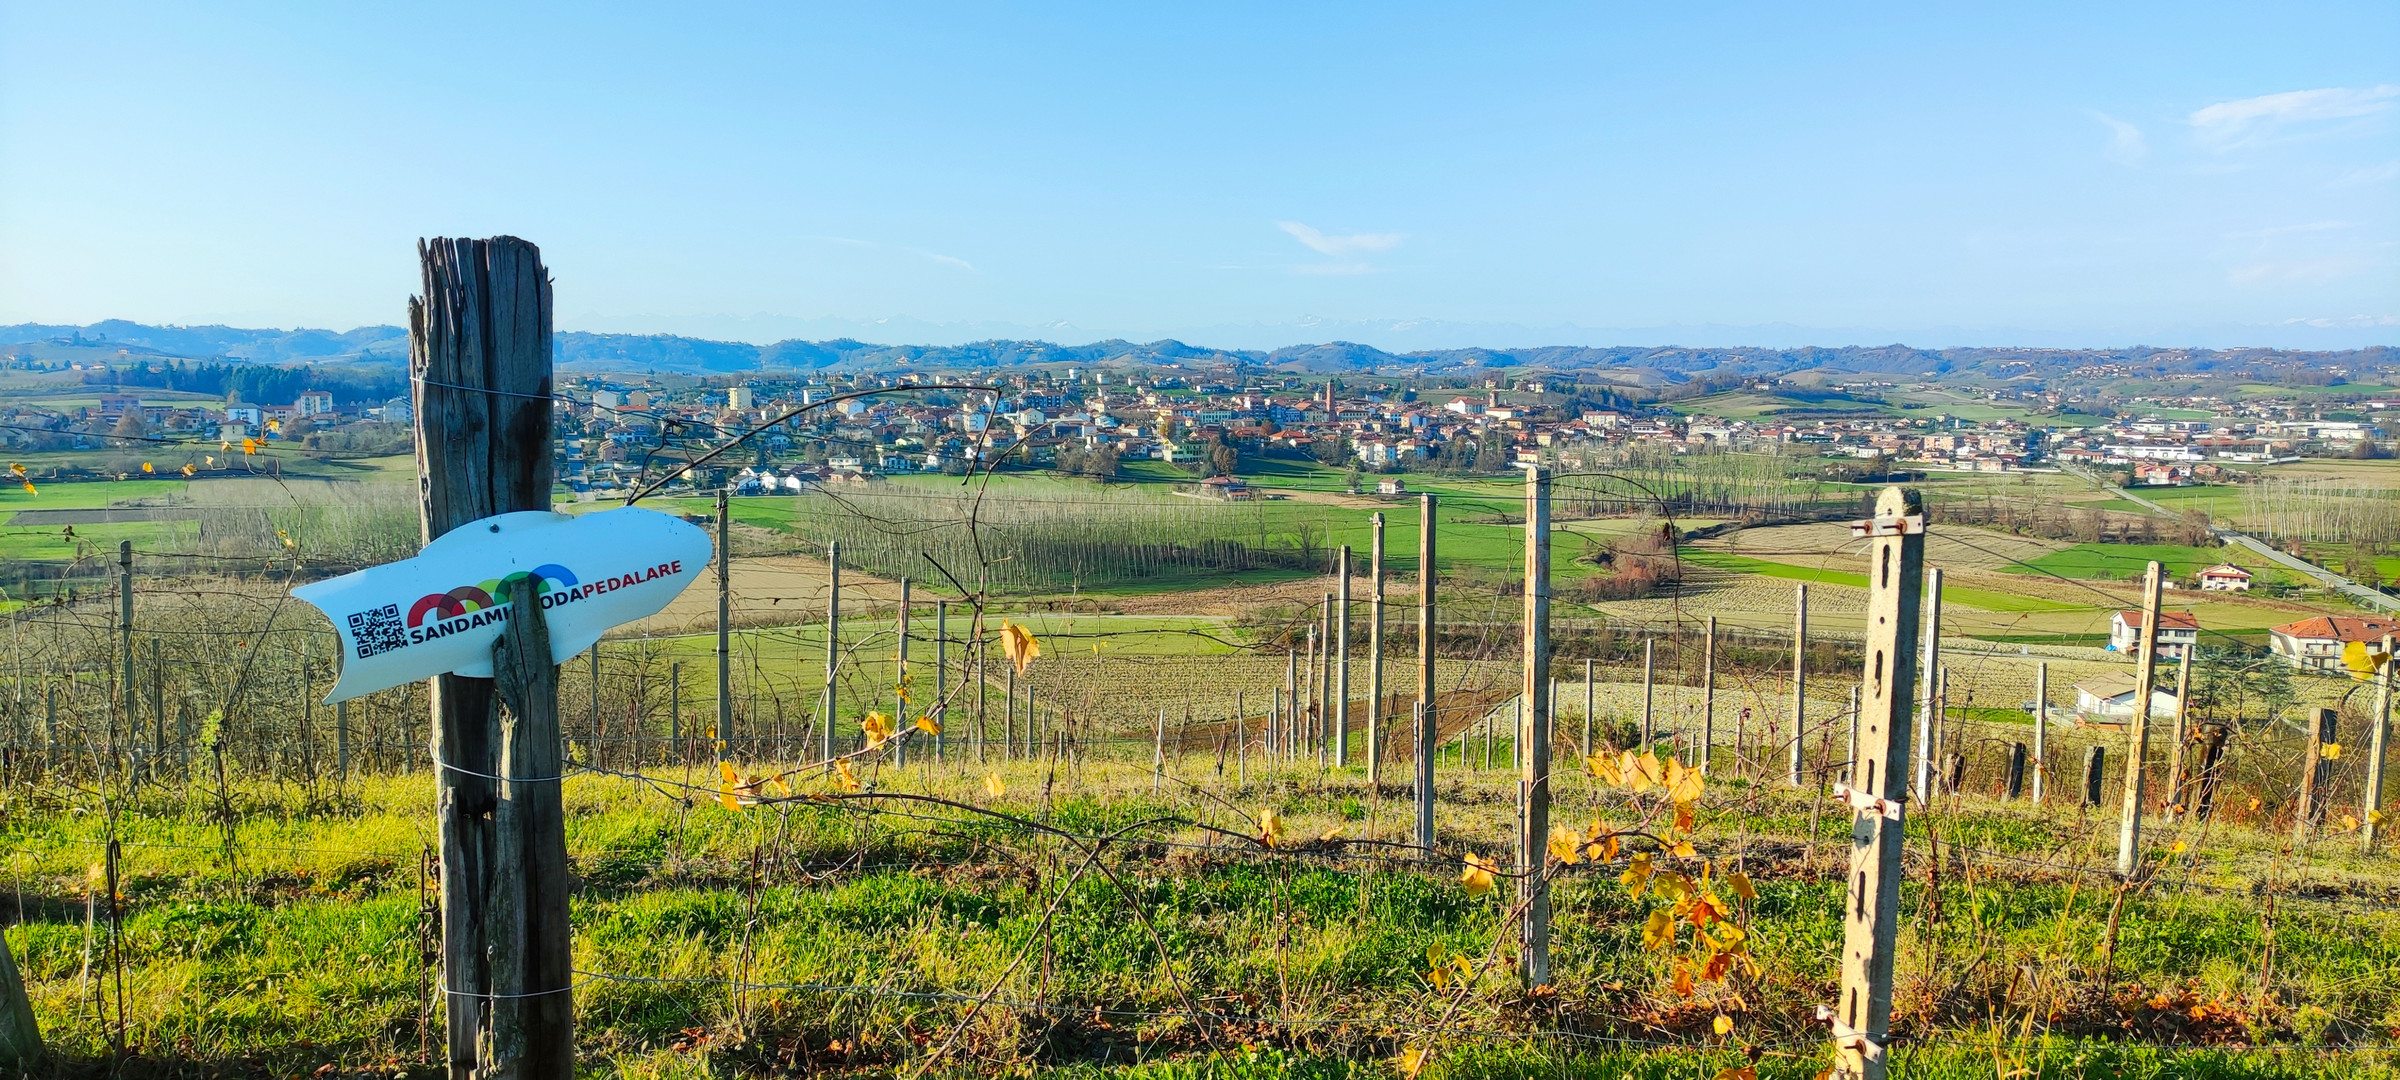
pixel 1230 174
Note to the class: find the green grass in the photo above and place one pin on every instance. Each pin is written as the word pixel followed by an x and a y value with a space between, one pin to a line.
pixel 1986 599
pixel 301 950
pixel 2130 561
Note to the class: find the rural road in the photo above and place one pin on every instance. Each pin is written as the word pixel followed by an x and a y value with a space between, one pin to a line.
pixel 2372 598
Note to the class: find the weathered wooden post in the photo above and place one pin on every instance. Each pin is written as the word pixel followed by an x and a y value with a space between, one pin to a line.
pixel 1375 733
pixel 1799 763
pixel 1428 717
pixel 20 1036
pixel 479 354
pixel 2137 729
pixel 723 734
pixel 2179 731
pixel 1927 720
pixel 1708 695
pixel 2379 732
pixel 1341 665
pixel 1325 666
pixel 900 695
pixel 2041 728
pixel 2315 774
pixel 1871 916
pixel 1533 737
pixel 2095 768
pixel 128 703
pixel 1158 753
pixel 941 679
pixel 2016 770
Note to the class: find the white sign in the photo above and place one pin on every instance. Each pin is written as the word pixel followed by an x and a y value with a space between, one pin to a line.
pixel 442 611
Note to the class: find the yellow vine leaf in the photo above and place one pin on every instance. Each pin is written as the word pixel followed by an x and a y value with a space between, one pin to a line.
pixel 1604 766
pixel 1018 645
pixel 781 786
pixel 1565 844
pixel 1412 1060
pixel 146 467
pixel 726 773
pixel 878 728
pixel 190 470
pixel 1684 849
pixel 928 724
pixel 1637 874
pixel 17 467
pixel 2349 823
pixel 1745 1072
pixel 2361 662
pixel 249 446
pixel 849 779
pixel 2332 751
pixel 992 785
pixel 2176 848
pixel 29 488
pixel 1329 835
pixel 1741 886
pixel 1270 827
pixel 1723 1025
pixel 1477 877
pixel 1683 784
pixel 1658 931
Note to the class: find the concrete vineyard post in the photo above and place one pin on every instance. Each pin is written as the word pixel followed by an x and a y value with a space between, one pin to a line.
pixel 2137 730
pixel 1533 737
pixel 1862 1013
pixel 2179 731
pixel 941 679
pixel 1649 669
pixel 480 355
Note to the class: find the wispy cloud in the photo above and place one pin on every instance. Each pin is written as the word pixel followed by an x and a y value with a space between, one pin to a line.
pixel 2368 174
pixel 2229 124
pixel 1339 246
pixel 2126 146
pixel 933 256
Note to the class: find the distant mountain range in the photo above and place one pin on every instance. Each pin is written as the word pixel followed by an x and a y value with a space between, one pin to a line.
pixel 1630 365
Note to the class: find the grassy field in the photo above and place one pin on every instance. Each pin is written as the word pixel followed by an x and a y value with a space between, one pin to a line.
pixel 290 944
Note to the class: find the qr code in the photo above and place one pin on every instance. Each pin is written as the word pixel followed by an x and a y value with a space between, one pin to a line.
pixel 378 631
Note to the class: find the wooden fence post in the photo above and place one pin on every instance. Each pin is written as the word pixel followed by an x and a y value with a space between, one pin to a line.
pixel 128 703
pixel 1428 716
pixel 1375 732
pixel 1708 695
pixel 2095 769
pixel 1871 915
pixel 1926 718
pixel 2315 772
pixel 479 354
pixel 941 679
pixel 1533 737
pixel 1649 668
pixel 2016 770
pixel 1799 762
pixel 2378 733
pixel 2179 732
pixel 2041 728
pixel 2137 729
pixel 1341 664
pixel 723 734
pixel 900 697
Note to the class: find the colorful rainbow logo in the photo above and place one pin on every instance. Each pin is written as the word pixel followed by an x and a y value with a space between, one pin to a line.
pixel 489 594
